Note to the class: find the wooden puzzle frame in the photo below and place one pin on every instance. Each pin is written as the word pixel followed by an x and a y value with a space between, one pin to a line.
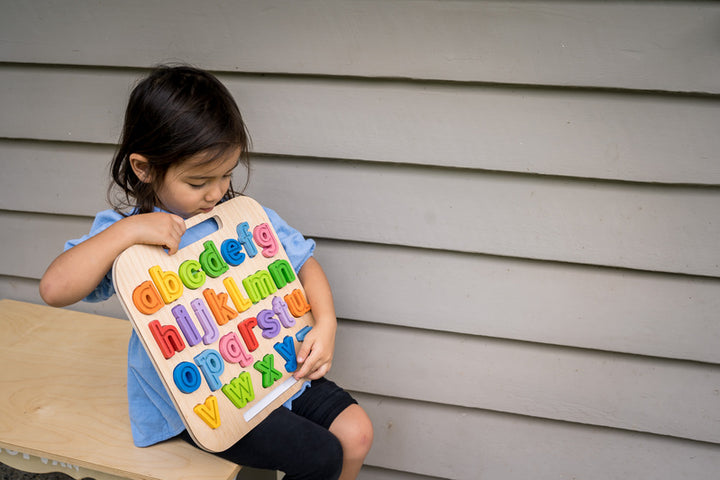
pixel 221 320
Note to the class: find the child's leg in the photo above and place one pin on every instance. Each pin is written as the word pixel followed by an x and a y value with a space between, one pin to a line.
pixel 355 432
pixel 326 436
pixel 333 408
pixel 287 442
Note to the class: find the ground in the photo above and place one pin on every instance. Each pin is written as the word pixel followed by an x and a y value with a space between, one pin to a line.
pixel 7 473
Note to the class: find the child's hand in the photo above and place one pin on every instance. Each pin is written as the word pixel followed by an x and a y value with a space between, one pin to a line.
pixel 316 354
pixel 77 271
pixel 157 228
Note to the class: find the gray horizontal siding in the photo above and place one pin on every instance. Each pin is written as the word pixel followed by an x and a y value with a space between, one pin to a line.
pixel 606 135
pixel 640 45
pixel 541 381
pixel 671 316
pixel 597 388
pixel 612 224
pixel 375 473
pixel 410 436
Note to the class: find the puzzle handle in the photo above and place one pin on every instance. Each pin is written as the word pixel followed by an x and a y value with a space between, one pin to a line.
pixel 228 213
pixel 198 219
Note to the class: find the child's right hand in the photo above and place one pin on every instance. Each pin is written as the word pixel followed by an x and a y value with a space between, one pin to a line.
pixel 157 228
pixel 79 270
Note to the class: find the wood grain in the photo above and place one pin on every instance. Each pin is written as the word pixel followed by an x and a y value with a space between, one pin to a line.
pixel 64 397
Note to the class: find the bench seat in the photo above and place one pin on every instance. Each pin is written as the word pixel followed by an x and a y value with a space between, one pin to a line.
pixel 63 400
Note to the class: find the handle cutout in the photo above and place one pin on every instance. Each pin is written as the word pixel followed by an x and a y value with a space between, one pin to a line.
pixel 200 231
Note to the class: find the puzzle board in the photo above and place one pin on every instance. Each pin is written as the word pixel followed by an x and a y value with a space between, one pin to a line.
pixel 222 320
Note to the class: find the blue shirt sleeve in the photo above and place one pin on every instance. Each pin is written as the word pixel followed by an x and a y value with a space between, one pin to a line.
pixel 297 247
pixel 102 221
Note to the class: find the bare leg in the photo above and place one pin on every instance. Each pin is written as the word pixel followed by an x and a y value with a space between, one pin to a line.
pixel 354 430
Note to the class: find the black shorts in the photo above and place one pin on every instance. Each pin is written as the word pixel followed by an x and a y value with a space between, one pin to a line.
pixel 322 402
pixel 296 442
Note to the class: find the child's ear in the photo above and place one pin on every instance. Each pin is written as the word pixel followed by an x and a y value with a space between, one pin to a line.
pixel 141 167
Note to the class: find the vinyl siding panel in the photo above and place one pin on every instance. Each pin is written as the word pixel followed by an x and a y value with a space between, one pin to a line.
pixel 541 302
pixel 644 227
pixel 640 45
pixel 516 129
pixel 532 380
pixel 490 445
pixel 515 202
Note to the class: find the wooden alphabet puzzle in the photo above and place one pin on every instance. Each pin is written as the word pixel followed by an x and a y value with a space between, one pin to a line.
pixel 221 320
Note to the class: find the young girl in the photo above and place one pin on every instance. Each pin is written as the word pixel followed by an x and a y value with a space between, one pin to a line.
pixel 182 139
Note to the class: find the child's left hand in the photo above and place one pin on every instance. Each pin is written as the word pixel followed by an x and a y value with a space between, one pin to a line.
pixel 317 350
pixel 316 354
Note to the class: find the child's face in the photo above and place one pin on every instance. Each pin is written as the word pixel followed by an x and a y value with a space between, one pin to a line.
pixel 193 187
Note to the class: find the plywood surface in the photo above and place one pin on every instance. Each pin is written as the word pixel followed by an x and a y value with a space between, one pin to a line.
pixel 63 397
pixel 237 349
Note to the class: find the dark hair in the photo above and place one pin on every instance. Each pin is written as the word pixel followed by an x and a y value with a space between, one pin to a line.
pixel 174 113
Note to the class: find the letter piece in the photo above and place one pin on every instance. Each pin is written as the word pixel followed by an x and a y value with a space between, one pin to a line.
pixel 211 261
pixel 218 306
pixel 281 310
pixel 146 298
pixel 231 251
pixel 233 351
pixel 187 327
pixel 281 272
pixel 245 238
pixel 240 390
pixel 297 303
pixel 262 234
pixel 241 303
pixel 300 335
pixel 167 338
pixel 191 274
pixel 187 377
pixel 286 349
pixel 245 327
pixel 206 321
pixel 167 283
pixel 267 367
pixel 212 366
pixel 208 412
pixel 259 285
pixel 269 324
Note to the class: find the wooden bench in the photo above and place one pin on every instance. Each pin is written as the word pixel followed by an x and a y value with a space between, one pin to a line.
pixel 63 403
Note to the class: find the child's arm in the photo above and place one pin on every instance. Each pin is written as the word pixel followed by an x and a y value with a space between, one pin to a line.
pixel 78 271
pixel 316 354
